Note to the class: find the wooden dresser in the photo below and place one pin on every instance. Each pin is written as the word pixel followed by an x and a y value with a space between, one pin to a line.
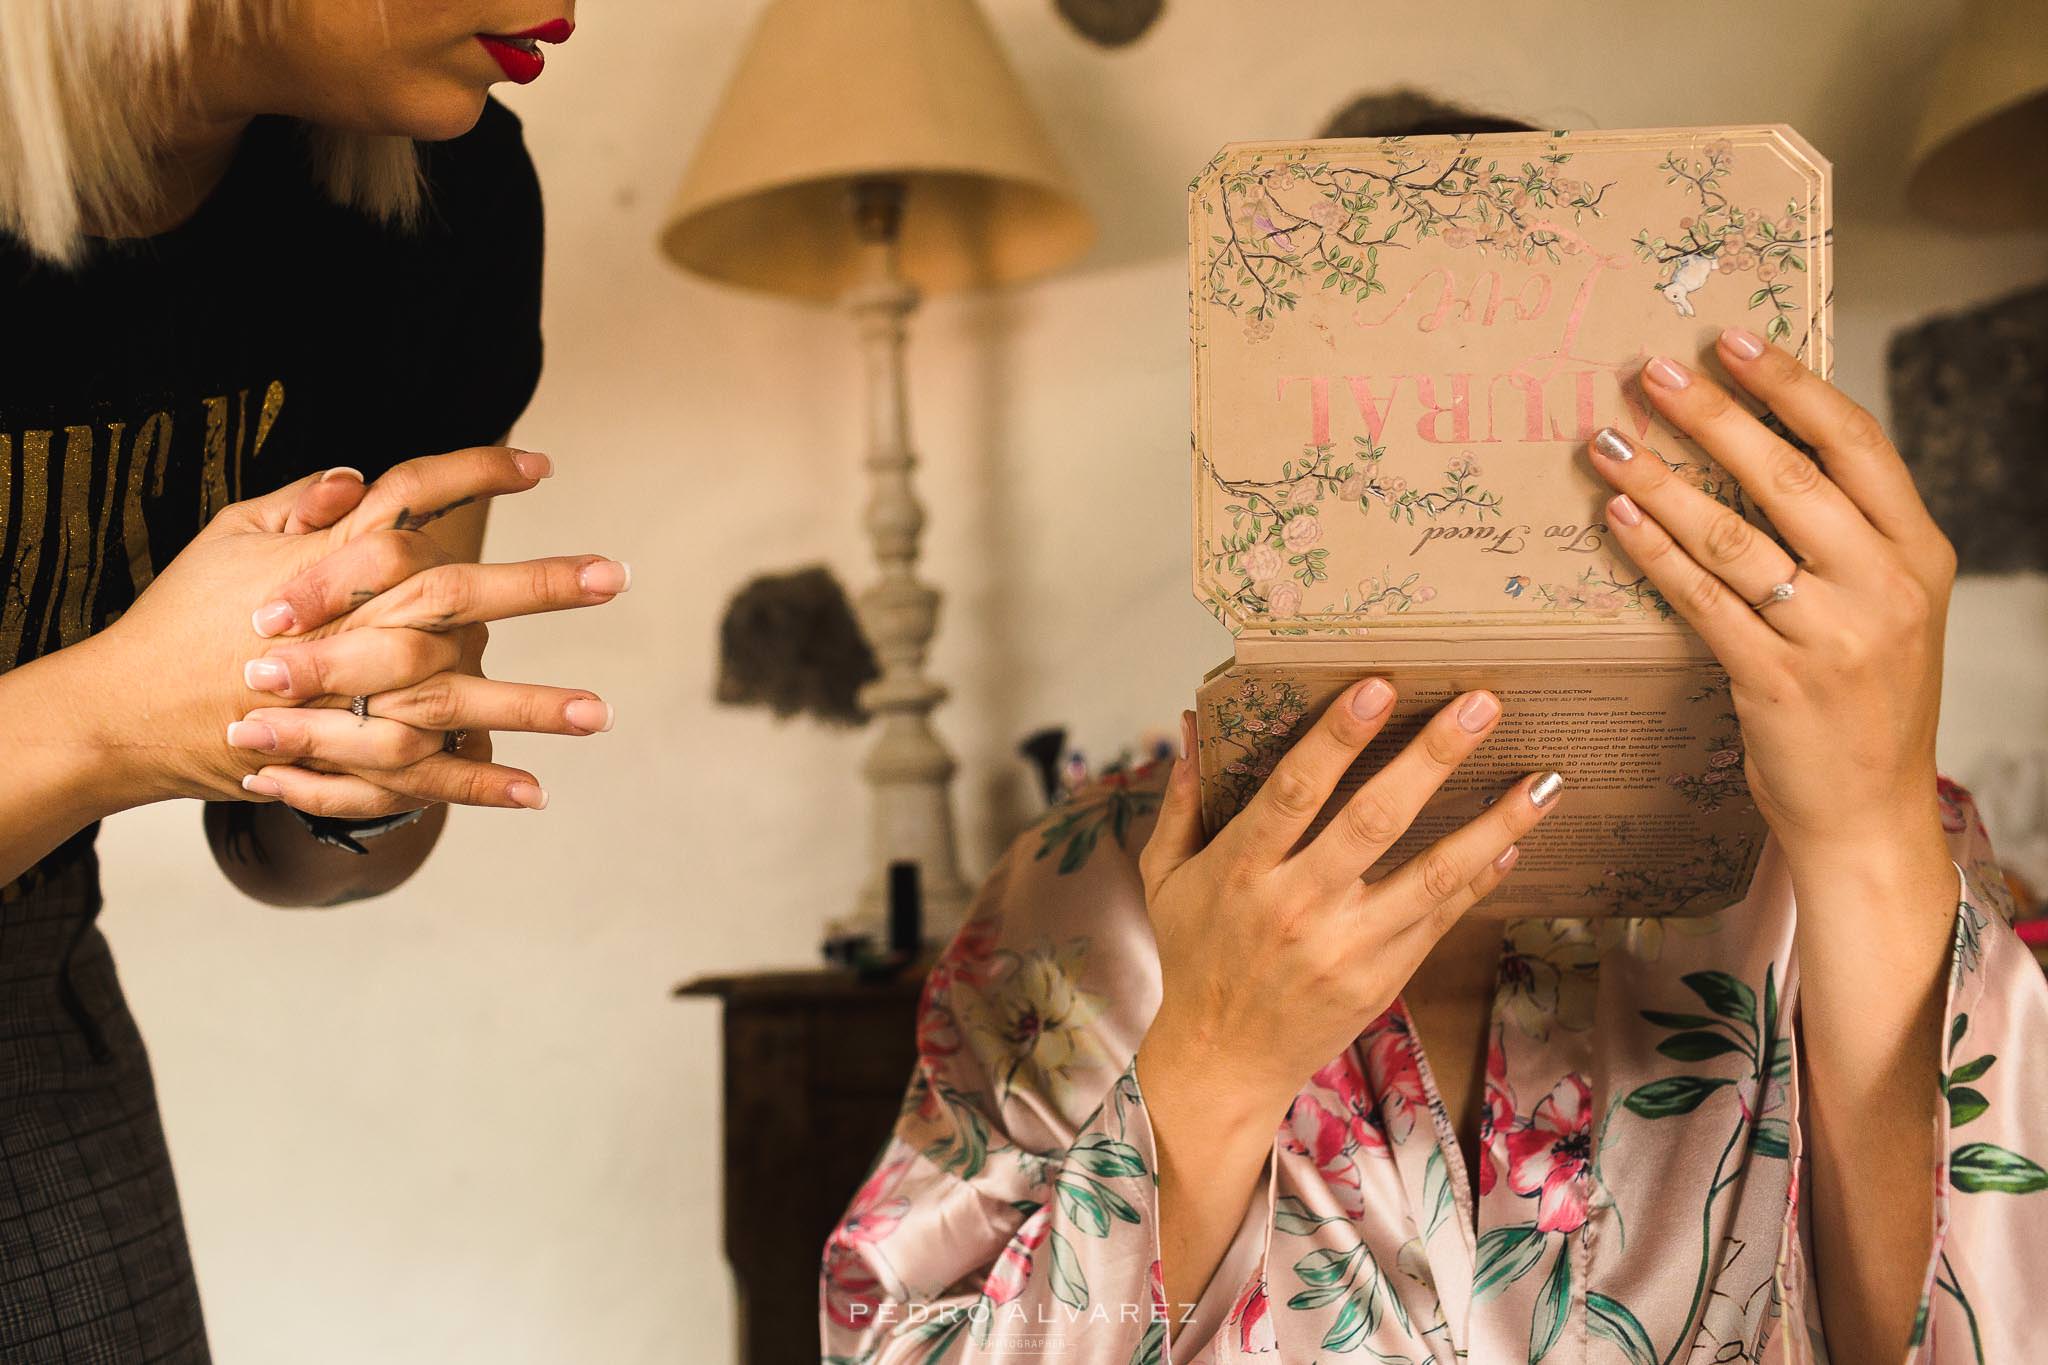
pixel 816 1063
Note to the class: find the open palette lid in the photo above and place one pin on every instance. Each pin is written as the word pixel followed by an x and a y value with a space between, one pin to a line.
pixel 1402 345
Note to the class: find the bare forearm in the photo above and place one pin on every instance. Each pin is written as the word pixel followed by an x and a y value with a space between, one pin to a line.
pixel 1212 1144
pixel 61 775
pixel 269 855
pixel 1875 928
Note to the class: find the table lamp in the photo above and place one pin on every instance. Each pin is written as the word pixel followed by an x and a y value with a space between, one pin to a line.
pixel 1974 159
pixel 865 154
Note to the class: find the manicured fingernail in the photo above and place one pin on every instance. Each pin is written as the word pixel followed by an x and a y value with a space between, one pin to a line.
pixel 266 675
pixel 533 464
pixel 274 618
pixel 261 785
pixel 1743 342
pixel 1545 789
pixel 591 716
pixel 342 471
pixel 1667 374
pixel 1505 859
pixel 1613 444
pixel 1624 510
pixel 528 795
pixel 1371 699
pixel 1479 708
pixel 251 734
pixel 606 576
pixel 1187 733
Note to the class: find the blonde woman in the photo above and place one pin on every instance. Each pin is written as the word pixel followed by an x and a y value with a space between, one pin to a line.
pixel 251 253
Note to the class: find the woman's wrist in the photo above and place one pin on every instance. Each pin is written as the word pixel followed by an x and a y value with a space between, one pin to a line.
pixel 1875 842
pixel 91 697
pixel 62 773
pixel 1186 1079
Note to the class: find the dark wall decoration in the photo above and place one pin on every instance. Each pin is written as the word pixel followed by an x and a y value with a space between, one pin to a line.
pixel 1112 23
pixel 1969 400
pixel 790 642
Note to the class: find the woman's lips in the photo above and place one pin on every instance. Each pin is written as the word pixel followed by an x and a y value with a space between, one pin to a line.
pixel 518 54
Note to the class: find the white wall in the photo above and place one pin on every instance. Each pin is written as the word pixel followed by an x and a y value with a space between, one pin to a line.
pixel 465 1123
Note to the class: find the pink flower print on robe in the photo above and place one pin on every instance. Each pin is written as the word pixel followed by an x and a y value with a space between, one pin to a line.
pixel 1013 1266
pixel 1551 1157
pixel 1024 1167
pixel 852 1290
pixel 1498 1117
pixel 1390 1060
pixel 1332 1123
pixel 1251 1321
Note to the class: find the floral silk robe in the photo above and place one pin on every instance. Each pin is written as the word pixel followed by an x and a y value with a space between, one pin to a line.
pixel 1641 1143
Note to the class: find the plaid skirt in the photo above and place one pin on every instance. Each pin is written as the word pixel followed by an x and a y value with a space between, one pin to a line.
pixel 94 1269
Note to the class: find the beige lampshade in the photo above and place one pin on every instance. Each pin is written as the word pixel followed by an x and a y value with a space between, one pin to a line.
pixel 834 91
pixel 1976 161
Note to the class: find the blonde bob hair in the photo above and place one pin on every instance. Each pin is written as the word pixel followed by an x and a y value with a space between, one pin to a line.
pixel 89 91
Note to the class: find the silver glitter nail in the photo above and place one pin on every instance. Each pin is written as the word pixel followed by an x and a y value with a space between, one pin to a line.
pixel 1546 787
pixel 1613 444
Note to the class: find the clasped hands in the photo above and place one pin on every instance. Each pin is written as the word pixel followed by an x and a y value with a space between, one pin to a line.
pixel 290 605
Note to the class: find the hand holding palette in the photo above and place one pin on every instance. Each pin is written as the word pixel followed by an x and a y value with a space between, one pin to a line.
pixel 1401 348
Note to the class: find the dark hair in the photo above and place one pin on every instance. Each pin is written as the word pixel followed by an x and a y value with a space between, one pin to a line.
pixel 1406 112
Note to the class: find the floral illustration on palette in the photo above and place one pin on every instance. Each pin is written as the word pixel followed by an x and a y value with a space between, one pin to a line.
pixel 1599 588
pixel 1721 237
pixel 1278 229
pixel 1252 727
pixel 1723 778
pixel 1670 889
pixel 1274 546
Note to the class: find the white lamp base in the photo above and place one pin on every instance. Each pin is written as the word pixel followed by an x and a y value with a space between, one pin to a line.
pixel 909 770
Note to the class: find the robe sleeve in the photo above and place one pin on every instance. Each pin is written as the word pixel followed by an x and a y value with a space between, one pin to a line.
pixel 1991 1139
pixel 1012 1214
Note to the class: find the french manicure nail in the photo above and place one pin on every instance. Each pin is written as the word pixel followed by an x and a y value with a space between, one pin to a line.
pixel 1667 374
pixel 273 618
pixel 1506 857
pixel 1613 444
pixel 1623 509
pixel 606 576
pixel 528 795
pixel 251 734
pixel 589 715
pixel 1371 699
pixel 266 675
pixel 344 471
pixel 1743 342
pixel 261 785
pixel 1545 789
pixel 1479 708
pixel 533 464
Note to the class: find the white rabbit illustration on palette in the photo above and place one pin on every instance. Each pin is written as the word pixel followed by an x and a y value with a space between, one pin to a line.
pixel 1719 236
pixel 1689 272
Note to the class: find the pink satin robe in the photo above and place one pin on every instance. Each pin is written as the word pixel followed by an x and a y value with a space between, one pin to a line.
pixel 1642 1148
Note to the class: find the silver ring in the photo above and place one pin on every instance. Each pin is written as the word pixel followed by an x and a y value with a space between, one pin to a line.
pixel 359 706
pixel 1778 593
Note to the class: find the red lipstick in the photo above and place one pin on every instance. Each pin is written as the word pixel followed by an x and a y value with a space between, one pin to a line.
pixel 518 54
